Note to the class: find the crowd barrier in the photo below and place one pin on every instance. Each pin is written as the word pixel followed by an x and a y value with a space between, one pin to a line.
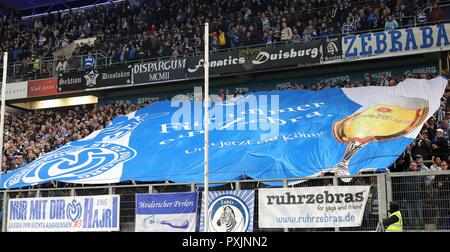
pixel 424 198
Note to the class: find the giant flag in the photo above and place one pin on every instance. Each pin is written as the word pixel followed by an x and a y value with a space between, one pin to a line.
pixel 278 134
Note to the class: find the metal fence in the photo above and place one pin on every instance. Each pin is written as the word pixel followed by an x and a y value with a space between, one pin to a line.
pixel 424 198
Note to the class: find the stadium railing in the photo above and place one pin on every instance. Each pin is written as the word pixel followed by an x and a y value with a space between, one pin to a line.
pixel 103 60
pixel 424 197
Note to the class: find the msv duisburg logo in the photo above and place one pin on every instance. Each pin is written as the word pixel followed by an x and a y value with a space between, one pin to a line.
pixel 229 213
pixel 72 163
pixel 74 210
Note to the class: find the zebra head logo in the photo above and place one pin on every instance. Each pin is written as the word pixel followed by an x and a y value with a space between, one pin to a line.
pixel 229 213
pixel 227 218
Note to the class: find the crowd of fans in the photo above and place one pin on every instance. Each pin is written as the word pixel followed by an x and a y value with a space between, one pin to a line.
pixel 139 29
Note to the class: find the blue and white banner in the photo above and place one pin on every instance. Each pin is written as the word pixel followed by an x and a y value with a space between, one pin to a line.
pixel 62 214
pixel 407 41
pixel 166 212
pixel 229 211
pixel 312 207
pixel 278 134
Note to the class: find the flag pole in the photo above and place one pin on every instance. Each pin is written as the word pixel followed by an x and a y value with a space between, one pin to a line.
pixel 206 126
pixel 2 112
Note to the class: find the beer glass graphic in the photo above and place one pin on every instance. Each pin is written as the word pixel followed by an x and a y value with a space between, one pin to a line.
pixel 392 118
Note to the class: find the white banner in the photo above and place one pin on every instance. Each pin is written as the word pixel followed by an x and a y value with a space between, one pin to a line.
pixel 312 207
pixel 62 214
pixel 17 90
pixel 166 212
pixel 397 42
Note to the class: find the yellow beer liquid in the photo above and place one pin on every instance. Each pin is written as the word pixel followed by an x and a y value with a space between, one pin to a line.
pixel 379 122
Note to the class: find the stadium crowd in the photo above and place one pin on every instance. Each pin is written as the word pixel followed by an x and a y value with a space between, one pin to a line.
pixel 139 29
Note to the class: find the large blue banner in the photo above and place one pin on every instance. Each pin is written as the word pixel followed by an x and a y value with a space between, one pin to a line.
pixel 166 212
pixel 278 134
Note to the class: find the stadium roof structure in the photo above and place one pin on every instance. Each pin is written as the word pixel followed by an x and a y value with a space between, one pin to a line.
pixel 34 7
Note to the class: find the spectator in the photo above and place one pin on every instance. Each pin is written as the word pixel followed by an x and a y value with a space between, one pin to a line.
pixel 436 13
pixel 236 39
pixel 383 80
pixel 62 65
pixel 223 41
pixel 368 80
pixel 442 204
pixel 422 146
pixel 77 50
pixel 296 37
pixel 403 162
pixel 348 26
pixel 399 15
pixel 390 24
pixel 324 32
pixel 132 54
pixel 414 203
pixel 440 114
pixel 286 33
pixel 37 65
pixel 440 145
pixel 214 42
pixel 265 22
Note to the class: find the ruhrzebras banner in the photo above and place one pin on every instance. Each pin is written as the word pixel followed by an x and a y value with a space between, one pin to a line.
pixel 312 207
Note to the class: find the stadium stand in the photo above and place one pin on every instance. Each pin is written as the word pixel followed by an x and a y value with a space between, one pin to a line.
pixel 130 31
pixel 137 30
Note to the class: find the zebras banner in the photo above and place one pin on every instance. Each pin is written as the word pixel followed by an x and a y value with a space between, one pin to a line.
pixel 62 214
pixel 229 211
pixel 263 135
pixel 312 207
pixel 166 212
pixel 397 42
